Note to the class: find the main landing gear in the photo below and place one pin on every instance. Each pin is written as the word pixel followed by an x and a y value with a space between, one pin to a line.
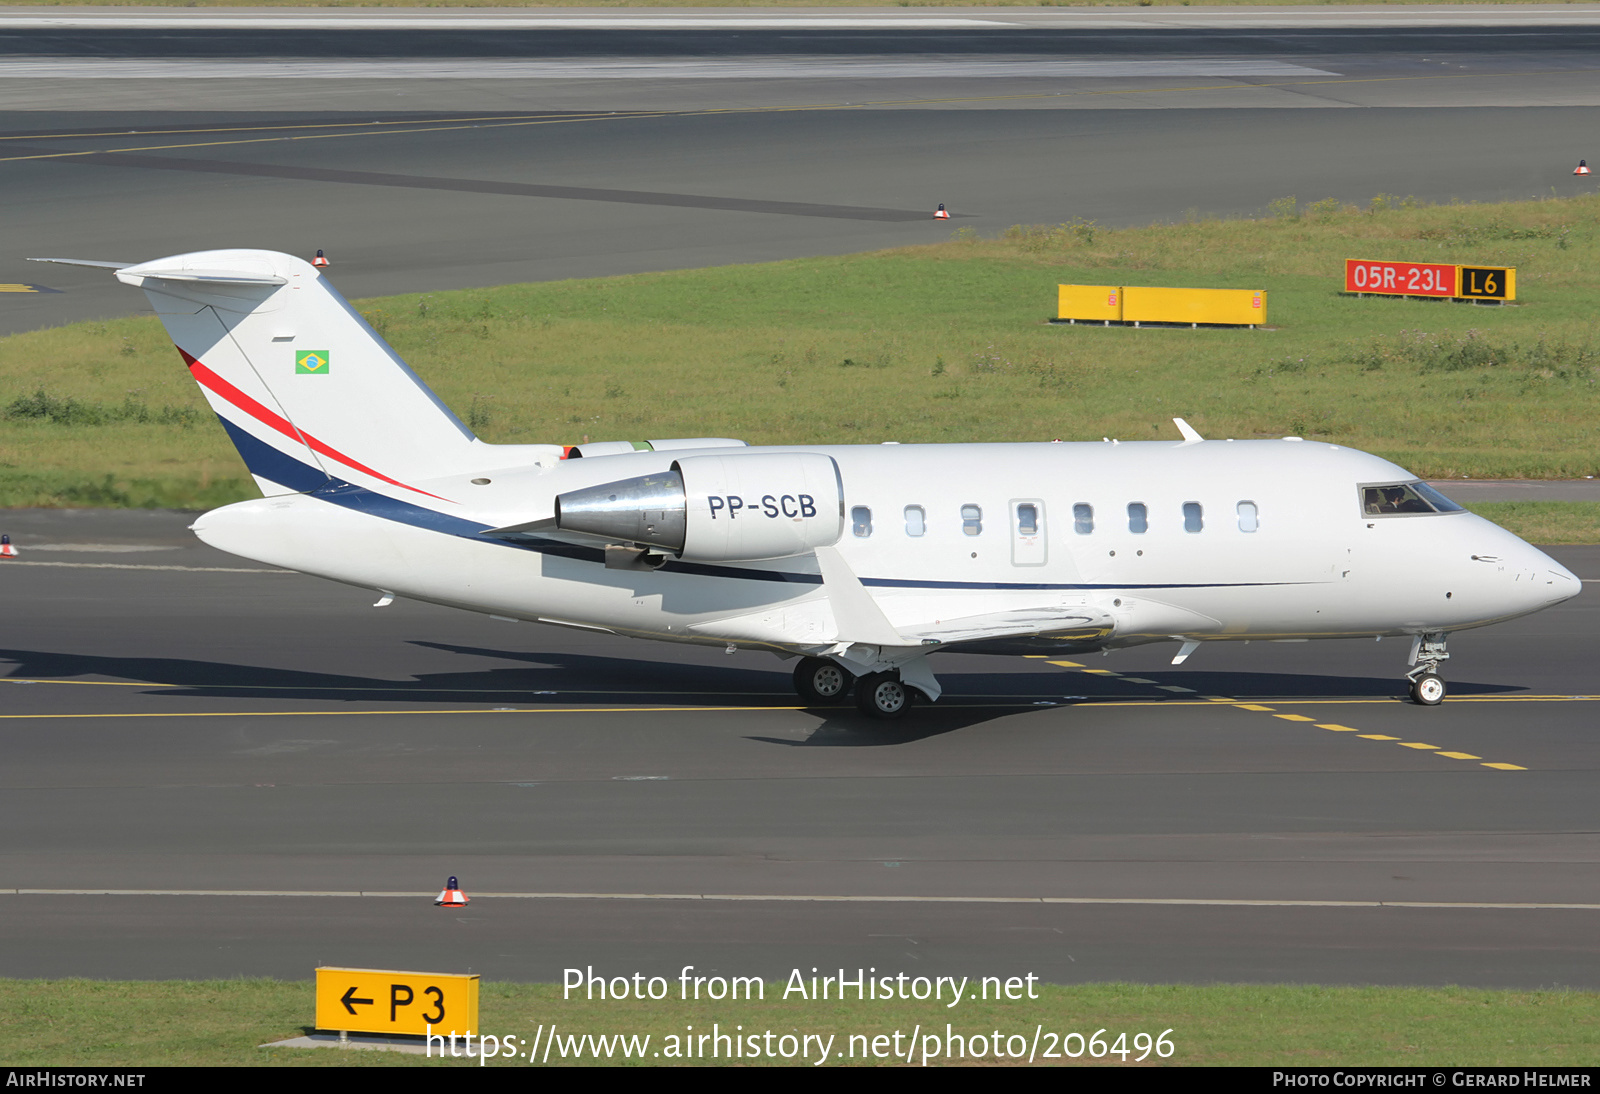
pixel 882 695
pixel 821 682
pixel 1427 653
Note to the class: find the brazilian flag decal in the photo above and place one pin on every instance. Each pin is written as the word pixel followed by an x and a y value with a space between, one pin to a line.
pixel 310 360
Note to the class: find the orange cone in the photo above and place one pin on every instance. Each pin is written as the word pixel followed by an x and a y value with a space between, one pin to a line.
pixel 321 261
pixel 941 213
pixel 6 550
pixel 1583 168
pixel 452 897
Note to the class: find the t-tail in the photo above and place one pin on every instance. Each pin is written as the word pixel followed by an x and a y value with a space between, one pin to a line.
pixel 309 393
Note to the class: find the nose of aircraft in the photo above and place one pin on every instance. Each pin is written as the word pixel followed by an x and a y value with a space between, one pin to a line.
pixel 1527 578
pixel 1552 582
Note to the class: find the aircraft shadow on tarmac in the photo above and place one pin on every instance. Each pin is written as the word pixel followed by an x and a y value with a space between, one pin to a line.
pixel 564 677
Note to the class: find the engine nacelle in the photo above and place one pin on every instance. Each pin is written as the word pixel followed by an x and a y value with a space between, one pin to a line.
pixel 734 508
pixel 761 505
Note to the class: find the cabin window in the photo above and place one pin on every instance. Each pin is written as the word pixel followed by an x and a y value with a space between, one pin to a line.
pixel 1193 519
pixel 1027 519
pixel 1138 523
pixel 861 521
pixel 1247 517
pixel 916 522
pixel 1083 519
pixel 1401 499
pixel 971 520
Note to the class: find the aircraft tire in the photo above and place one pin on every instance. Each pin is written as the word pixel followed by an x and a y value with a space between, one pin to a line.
pixel 882 696
pixel 1427 690
pixel 819 681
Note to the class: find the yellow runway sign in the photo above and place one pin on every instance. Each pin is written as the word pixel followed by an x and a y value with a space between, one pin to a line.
pixel 388 1001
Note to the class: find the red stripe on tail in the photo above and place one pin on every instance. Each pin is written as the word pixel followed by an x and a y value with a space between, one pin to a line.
pixel 210 380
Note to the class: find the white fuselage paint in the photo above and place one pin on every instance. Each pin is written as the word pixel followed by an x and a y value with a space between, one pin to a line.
pixel 1315 567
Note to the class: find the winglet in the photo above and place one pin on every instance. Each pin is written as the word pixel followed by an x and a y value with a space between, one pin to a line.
pixel 855 614
pixel 1190 434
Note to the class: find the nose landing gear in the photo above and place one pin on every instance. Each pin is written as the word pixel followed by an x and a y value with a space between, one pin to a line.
pixel 1427 653
pixel 1427 689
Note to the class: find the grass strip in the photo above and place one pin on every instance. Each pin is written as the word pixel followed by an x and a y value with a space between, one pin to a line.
pixel 134 1023
pixel 1546 522
pixel 942 343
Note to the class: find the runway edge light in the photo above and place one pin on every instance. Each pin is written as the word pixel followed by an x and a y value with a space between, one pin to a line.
pixel 452 896
pixel 1582 168
pixel 941 213
pixel 321 261
pixel 6 550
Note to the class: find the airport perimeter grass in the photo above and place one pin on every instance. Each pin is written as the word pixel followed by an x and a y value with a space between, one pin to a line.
pixel 946 342
pixel 123 1023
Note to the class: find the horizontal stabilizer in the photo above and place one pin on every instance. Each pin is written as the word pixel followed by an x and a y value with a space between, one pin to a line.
pixel 135 275
pixel 96 263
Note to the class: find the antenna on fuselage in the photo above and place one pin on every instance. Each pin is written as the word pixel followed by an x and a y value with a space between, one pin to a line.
pixel 1190 434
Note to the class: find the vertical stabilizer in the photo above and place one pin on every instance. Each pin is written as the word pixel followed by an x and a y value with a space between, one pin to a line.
pixel 307 390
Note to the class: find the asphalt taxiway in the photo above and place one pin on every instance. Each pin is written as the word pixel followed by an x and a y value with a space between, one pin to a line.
pixel 215 769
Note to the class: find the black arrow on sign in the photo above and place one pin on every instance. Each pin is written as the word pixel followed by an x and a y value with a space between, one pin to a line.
pixel 348 998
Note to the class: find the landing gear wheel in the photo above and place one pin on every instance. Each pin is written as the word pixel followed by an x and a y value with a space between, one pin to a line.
pixel 820 681
pixel 1427 690
pixel 882 695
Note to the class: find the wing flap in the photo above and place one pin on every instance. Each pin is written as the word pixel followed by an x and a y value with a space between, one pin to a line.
pixel 1048 621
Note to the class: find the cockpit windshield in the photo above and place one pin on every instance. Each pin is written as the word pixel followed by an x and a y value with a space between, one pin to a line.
pixel 1401 499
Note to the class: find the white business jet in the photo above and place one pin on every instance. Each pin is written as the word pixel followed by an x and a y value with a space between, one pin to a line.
pixel 860 560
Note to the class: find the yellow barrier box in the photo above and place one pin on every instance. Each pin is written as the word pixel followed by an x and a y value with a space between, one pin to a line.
pixel 1234 307
pixel 386 1001
pixel 1089 303
pixel 1138 304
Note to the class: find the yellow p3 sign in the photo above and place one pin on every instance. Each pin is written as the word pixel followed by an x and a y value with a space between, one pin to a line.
pixel 387 1001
